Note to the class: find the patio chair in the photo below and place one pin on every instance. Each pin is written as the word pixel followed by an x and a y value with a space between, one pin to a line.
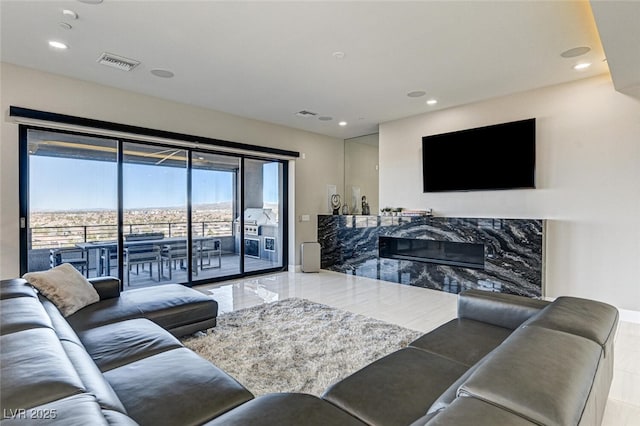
pixel 107 260
pixel 141 255
pixel 177 252
pixel 74 256
pixel 210 247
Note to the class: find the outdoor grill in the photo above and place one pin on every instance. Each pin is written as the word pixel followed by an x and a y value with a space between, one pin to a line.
pixel 260 233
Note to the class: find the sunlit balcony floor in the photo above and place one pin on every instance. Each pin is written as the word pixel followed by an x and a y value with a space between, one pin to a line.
pixel 229 266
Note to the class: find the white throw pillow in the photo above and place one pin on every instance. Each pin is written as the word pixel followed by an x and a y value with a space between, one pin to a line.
pixel 65 286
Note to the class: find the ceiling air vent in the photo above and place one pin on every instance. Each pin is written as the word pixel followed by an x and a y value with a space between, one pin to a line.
pixel 119 62
pixel 305 113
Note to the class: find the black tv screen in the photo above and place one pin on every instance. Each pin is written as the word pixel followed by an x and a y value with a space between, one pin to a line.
pixel 502 156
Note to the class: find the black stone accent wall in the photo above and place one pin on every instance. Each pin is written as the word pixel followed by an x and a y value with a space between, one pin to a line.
pixel 514 251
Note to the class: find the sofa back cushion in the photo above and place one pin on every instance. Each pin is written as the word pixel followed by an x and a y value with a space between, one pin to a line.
pixel 471 411
pixel 22 313
pixel 80 409
pixel 35 369
pixel 462 340
pixel 590 319
pixel 540 374
pixel 499 309
pixel 16 287
pixel 59 323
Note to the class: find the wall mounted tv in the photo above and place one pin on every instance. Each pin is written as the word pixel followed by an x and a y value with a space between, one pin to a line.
pixel 502 156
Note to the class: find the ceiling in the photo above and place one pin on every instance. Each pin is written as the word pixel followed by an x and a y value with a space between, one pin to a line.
pixel 270 60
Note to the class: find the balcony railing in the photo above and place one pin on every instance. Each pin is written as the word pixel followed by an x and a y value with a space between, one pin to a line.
pixel 64 236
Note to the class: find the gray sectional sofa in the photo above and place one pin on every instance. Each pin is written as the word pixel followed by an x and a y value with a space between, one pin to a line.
pixel 111 362
pixel 506 360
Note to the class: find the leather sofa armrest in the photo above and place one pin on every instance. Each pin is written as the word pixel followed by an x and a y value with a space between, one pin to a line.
pixel 107 287
pixel 502 310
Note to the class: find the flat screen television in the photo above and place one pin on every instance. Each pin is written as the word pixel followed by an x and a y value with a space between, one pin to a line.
pixel 501 156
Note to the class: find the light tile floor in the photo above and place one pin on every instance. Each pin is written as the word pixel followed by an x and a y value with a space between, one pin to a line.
pixel 419 309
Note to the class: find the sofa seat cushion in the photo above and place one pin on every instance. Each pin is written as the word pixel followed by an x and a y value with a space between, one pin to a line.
pixel 104 312
pixel 286 409
pixel 471 411
pixel 540 374
pixel 171 306
pixel 22 313
pixel 463 340
pixel 35 369
pixel 396 389
pixel 114 345
pixel 175 386
pixel 590 319
pixel 176 306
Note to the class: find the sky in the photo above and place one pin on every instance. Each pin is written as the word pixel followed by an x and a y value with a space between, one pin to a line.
pixel 73 184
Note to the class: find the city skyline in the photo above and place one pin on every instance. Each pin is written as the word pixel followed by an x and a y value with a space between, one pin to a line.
pixel 89 185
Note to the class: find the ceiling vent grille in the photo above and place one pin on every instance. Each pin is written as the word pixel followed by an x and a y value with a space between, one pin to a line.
pixel 119 62
pixel 305 113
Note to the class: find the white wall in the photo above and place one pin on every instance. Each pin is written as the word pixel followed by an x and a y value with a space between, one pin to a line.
pixel 587 174
pixel 323 163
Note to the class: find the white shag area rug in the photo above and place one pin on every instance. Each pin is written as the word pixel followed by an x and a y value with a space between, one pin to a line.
pixel 296 345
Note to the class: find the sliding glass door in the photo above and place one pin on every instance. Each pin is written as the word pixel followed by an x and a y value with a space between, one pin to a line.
pixel 263 203
pixel 71 202
pixel 154 207
pixel 149 213
pixel 215 180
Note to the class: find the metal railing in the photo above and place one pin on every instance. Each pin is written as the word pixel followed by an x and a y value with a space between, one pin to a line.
pixel 64 236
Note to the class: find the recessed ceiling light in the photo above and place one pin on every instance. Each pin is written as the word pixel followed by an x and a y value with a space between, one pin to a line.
pixel 342 123
pixel 576 51
pixel 416 94
pixel 325 118
pixel 581 66
pixel 90 1
pixel 65 26
pixel 338 55
pixel 70 14
pixel 431 102
pixel 162 73
pixel 58 45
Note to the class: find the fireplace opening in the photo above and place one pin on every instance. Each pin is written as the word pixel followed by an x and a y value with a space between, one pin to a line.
pixel 467 255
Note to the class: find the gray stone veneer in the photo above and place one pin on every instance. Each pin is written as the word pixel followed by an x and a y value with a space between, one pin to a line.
pixel 514 251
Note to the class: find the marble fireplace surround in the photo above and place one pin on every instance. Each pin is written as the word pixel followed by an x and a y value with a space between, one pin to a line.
pixel 513 251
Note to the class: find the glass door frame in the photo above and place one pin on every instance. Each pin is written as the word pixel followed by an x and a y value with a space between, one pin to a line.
pixel 23 187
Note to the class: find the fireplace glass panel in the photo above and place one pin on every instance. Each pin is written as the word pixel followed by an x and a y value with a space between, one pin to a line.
pixel 468 255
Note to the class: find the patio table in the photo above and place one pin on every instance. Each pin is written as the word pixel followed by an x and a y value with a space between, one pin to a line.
pixel 103 264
